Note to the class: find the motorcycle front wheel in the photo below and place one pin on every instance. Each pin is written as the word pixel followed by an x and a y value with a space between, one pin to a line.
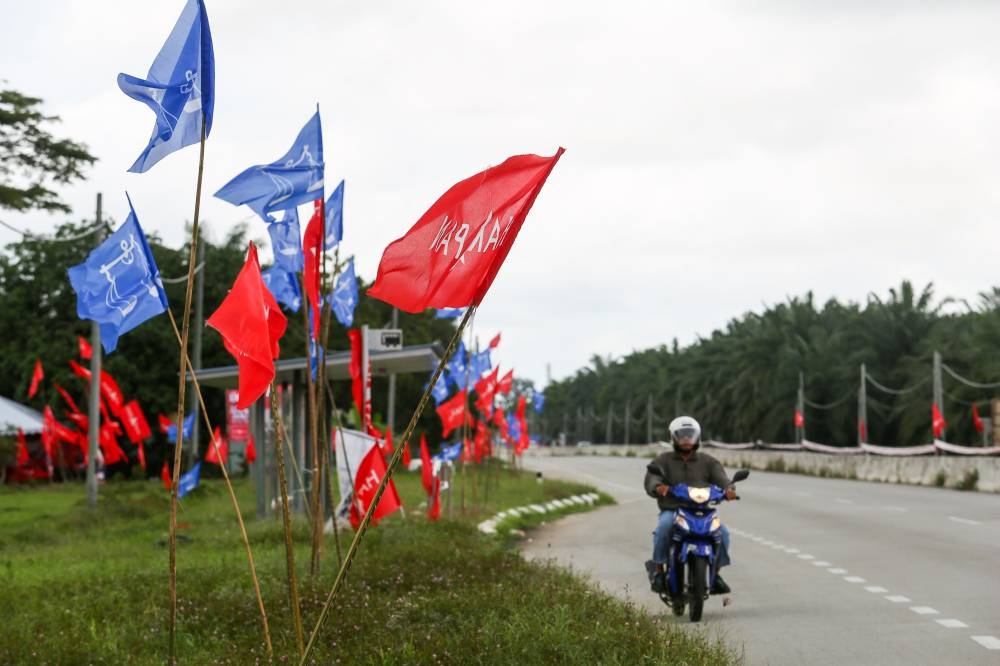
pixel 697 586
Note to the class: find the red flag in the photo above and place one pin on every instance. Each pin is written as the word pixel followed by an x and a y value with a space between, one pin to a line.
pixel 452 412
pixel 387 448
pixel 86 351
pixel 366 482
pixel 799 419
pixel 136 426
pixel 495 342
pixel 486 388
pixel 79 370
pixel 251 325
pixel 217 457
pixel 109 445
pixel 977 422
pixel 450 257
pixel 36 378
pixel 165 475
pixel 938 424
pixel 251 450
pixel 312 250
pixel 165 423
pixel 426 465
pixel 111 393
pixel 434 508
pixel 862 431
pixel 22 449
pixel 354 367
pixel 69 401
pixel 142 456
pixel 519 412
pixel 407 456
pixel 506 383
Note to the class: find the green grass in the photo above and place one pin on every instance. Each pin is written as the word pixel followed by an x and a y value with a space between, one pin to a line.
pixel 82 586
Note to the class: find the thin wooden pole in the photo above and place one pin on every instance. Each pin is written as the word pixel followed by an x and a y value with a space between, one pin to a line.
pixel 293 588
pixel 397 456
pixel 232 496
pixel 185 330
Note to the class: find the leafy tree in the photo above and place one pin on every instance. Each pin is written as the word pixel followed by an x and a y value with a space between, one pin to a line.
pixel 30 157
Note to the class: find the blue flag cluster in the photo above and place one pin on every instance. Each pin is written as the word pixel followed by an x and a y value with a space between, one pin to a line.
pixel 295 178
pixel 118 285
pixel 344 298
pixel 179 88
pixel 448 313
pixel 186 432
pixel 539 402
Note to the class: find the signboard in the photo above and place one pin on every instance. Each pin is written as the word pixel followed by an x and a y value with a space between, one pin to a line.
pixel 237 420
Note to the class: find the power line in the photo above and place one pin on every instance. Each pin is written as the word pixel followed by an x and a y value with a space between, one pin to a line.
pixel 901 391
pixel 830 405
pixel 181 279
pixel 968 382
pixel 53 239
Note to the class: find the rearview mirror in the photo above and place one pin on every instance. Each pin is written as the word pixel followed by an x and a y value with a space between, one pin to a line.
pixel 740 475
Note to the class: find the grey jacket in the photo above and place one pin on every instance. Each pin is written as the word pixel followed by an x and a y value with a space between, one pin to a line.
pixel 670 468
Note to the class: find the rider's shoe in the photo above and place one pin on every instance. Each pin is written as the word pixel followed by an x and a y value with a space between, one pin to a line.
pixel 659 584
pixel 719 586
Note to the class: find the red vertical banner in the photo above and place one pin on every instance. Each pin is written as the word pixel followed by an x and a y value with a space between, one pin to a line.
pixel 237 420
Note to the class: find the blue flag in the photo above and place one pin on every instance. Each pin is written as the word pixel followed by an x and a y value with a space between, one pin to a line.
pixel 440 390
pixel 449 453
pixel 344 298
pixel 317 355
pixel 294 179
pixel 284 287
pixel 539 400
pixel 448 313
pixel 189 480
pixel 286 242
pixel 478 364
pixel 456 366
pixel 118 285
pixel 334 225
pixel 179 88
pixel 186 432
pixel 513 427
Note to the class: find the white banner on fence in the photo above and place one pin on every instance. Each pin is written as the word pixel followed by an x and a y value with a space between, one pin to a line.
pixel 350 449
pixel 921 450
pixel 834 450
pixel 966 450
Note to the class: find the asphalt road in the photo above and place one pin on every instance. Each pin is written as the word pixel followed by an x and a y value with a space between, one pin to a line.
pixel 825 571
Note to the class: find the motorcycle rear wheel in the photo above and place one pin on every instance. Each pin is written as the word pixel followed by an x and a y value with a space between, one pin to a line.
pixel 697 586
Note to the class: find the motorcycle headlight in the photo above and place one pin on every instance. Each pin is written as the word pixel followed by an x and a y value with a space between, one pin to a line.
pixel 716 523
pixel 680 522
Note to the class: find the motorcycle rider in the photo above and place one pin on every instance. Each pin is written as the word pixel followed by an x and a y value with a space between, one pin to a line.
pixel 683 464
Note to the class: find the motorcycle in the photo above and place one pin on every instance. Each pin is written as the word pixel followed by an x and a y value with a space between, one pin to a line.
pixel 696 540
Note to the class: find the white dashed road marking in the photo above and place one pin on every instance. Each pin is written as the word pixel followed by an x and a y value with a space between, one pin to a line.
pixel 898 599
pixel 923 610
pixel 952 624
pixel 821 563
pixel 837 571
pixel 803 556
pixel 854 579
pixel 988 642
pixel 876 589
pixel 964 521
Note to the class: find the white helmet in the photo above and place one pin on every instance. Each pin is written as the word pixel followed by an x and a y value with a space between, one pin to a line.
pixel 684 426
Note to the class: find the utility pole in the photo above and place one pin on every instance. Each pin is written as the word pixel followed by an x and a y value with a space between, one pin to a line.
pixel 938 387
pixel 863 407
pixel 628 417
pixel 196 331
pixel 391 403
pixel 800 430
pixel 94 408
pixel 649 418
pixel 607 434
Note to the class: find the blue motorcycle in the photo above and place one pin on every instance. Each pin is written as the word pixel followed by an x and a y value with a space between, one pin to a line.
pixel 696 540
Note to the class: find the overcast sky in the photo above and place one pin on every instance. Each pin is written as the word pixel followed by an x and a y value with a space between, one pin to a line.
pixel 720 156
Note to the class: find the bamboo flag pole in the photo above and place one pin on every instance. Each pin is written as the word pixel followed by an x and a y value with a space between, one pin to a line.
pixel 397 456
pixel 310 384
pixel 293 588
pixel 185 330
pixel 232 496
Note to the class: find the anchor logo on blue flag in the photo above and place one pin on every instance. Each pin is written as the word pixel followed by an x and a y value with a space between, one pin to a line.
pixel 118 285
pixel 179 88
pixel 286 242
pixel 292 180
pixel 283 286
